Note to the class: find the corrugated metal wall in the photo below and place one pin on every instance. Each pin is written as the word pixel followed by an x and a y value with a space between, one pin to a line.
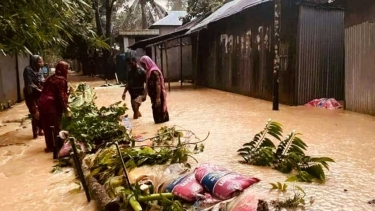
pixel 236 54
pixel 320 54
pixel 360 68
pixel 8 77
pixel 174 60
pixel 288 52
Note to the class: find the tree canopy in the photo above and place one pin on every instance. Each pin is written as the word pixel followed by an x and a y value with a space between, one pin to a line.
pixel 196 8
pixel 31 26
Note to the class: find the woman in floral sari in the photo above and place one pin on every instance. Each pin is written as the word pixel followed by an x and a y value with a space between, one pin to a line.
pixel 156 90
pixel 54 102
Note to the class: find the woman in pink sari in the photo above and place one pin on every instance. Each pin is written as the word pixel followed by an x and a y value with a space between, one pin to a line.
pixel 156 90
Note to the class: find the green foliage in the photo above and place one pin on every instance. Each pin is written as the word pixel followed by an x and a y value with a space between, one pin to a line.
pixel 91 125
pixel 132 16
pixel 197 8
pixel 259 151
pixel 35 25
pixel 287 157
pixel 289 152
pixel 108 164
pixel 297 201
pixel 278 186
pixel 166 135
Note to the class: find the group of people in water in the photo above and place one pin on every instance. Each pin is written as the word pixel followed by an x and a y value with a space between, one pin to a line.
pixel 47 99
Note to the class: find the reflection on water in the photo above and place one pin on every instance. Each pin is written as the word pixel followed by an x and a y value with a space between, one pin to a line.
pixel 347 137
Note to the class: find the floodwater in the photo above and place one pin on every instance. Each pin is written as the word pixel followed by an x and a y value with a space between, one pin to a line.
pixel 232 120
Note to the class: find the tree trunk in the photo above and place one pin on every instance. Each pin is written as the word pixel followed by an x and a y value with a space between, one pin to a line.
pixel 108 19
pixel 99 28
pixel 108 35
pixel 177 5
pixel 144 18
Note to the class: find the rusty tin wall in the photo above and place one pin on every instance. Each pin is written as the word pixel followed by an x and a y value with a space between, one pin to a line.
pixel 320 51
pixel 360 56
pixel 235 54
pixel 360 68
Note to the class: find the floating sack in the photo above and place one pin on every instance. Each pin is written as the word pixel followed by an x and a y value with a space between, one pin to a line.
pixel 222 183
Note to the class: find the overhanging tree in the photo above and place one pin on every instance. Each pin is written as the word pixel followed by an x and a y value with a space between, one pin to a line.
pixel 31 26
pixel 197 8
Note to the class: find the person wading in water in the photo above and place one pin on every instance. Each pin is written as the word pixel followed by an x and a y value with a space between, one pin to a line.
pixel 34 80
pixel 135 86
pixel 54 102
pixel 156 90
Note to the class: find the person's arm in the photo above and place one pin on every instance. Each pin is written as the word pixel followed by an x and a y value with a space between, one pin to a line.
pixel 144 75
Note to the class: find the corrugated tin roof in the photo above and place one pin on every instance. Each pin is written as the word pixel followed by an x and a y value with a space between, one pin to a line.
pixel 172 19
pixel 227 10
pixel 178 32
pixel 191 24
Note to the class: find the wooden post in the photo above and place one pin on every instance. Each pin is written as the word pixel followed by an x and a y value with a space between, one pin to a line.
pixel 161 59
pixel 166 66
pixel 276 67
pixel 196 62
pixel 156 54
pixel 181 60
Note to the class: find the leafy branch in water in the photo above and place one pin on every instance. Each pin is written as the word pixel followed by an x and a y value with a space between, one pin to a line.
pixel 108 164
pixel 259 151
pixel 136 196
pixel 289 155
pixel 297 201
pixel 91 125
pixel 106 167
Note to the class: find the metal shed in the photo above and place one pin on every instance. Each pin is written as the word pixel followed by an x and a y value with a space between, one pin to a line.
pixel 254 47
pixel 360 56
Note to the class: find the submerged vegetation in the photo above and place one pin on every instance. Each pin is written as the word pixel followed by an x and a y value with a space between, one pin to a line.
pixel 298 200
pixel 288 157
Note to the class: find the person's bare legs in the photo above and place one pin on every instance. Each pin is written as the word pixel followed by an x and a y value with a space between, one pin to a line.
pixel 135 107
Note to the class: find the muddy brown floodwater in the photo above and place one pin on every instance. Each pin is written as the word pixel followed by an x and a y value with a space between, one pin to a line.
pixel 232 120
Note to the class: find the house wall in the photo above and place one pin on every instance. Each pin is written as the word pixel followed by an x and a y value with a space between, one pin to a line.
pixel 8 77
pixel 360 56
pixel 172 72
pixel 320 72
pixel 236 53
